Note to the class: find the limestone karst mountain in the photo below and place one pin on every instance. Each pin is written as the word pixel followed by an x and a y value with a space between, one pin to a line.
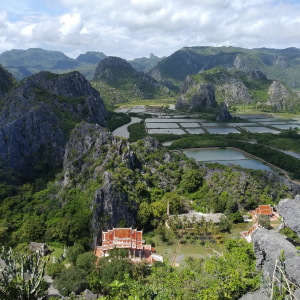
pixel 236 88
pixel 118 82
pixel 38 115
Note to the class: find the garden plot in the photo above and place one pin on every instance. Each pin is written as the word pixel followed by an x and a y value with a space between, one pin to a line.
pixel 259 129
pixel 162 125
pixel 189 125
pixel 164 131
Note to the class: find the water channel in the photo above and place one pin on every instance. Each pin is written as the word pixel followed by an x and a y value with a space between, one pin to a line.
pixel 122 131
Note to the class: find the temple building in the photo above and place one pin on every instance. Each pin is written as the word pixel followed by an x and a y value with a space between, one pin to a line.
pixel 266 210
pixel 127 238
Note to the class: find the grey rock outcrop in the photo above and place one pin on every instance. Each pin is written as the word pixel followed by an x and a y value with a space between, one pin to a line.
pixel 258 295
pixel 224 115
pixel 245 63
pixel 203 95
pixel 110 206
pixel 267 246
pixel 34 120
pixel 280 97
pixel 110 203
pixel 290 211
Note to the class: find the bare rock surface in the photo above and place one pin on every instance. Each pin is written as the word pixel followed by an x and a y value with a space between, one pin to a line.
pixel 258 295
pixel 289 209
pixel 268 245
pixel 38 115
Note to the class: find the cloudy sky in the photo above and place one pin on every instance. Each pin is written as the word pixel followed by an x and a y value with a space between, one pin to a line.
pixel 135 28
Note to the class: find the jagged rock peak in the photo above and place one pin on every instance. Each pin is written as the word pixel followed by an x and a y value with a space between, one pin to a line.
pixel 224 115
pixel 280 97
pixel 7 81
pixel 204 95
pixel 268 245
pixel 289 209
pixel 70 85
pixel 111 61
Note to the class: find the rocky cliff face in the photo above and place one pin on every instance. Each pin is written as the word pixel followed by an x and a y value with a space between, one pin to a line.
pixel 87 145
pixel 268 245
pixel 7 82
pixel 39 114
pixel 240 87
pixel 115 167
pixel 224 114
pixel 196 95
pixel 281 98
pixel 290 211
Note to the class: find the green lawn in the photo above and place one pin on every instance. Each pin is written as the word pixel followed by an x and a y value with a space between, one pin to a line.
pixel 57 253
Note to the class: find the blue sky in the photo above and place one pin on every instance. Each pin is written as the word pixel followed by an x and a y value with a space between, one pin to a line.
pixel 135 28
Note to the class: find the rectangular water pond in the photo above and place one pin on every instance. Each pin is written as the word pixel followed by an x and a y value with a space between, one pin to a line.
pixel 294 122
pixel 225 157
pixel 238 124
pixel 162 125
pixel 166 131
pixel 286 127
pixel 265 119
pixel 213 124
pixel 123 110
pixel 188 125
pixel 155 120
pixel 272 123
pixel 260 129
pixel 195 130
pixel 222 130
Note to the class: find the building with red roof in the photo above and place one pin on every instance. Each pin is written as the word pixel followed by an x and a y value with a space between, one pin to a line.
pixel 266 210
pixel 127 238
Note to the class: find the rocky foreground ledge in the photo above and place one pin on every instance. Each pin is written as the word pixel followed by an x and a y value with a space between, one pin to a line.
pixel 268 245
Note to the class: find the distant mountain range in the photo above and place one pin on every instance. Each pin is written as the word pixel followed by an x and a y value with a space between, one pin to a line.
pixel 282 65
pixel 23 63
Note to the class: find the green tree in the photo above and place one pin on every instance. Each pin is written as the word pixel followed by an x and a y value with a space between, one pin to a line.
pixel 264 221
pixel 144 213
pixel 34 230
pixel 55 269
pixel 225 224
pixel 73 252
pixel 86 262
pixel 71 280
pixel 192 180
pixel 175 202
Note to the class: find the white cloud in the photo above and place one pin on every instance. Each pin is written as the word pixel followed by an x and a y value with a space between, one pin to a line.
pixel 71 24
pixel 134 28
